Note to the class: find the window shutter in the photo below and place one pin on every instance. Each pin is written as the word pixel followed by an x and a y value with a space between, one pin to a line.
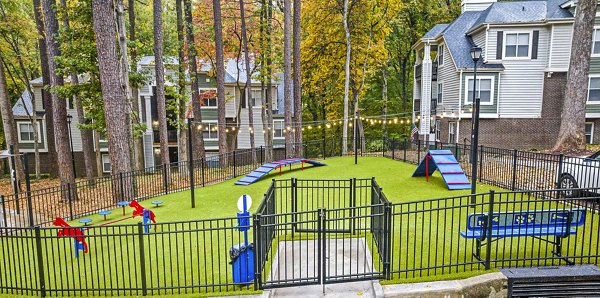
pixel 499 45
pixel 534 45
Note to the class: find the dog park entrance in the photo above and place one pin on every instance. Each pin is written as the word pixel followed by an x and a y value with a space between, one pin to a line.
pixel 321 231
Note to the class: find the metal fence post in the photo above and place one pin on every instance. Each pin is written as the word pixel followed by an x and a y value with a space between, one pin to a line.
pixel 353 205
pixel 165 182
pixel 418 150
pixel 70 195
pixel 490 219
pixel 202 169
pixel 405 147
pixel 393 147
pixel 234 164
pixel 13 176
pixel 261 155
pixel 514 169
pixel 324 148
pixel 322 250
pixel 140 233
pixel 480 175
pixel 40 262
pixel 387 217
pixel 28 189
pixel 3 209
pixel 122 186
pixel 258 252
pixel 561 158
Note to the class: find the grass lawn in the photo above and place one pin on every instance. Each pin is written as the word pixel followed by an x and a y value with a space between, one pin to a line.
pixel 220 200
pixel 196 253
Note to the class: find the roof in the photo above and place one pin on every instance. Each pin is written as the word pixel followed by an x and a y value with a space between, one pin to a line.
pixel 235 70
pixel 435 31
pixel 24 106
pixel 459 43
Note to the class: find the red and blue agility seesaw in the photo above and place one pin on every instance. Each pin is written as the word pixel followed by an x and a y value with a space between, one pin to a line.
pixel 78 233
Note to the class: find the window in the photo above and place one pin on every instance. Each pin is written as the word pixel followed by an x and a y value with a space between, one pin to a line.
pixel 278 129
pixel 517 45
pixel 256 98
pixel 102 137
pixel 209 98
pixel 26 133
pixel 594 90
pixel 210 130
pixel 440 92
pixel 440 55
pixel 451 132
pixel 105 163
pixel 484 90
pixel 589 132
pixel 596 42
pixel 438 126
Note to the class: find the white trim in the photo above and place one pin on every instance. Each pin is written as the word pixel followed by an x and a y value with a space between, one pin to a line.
pixel 440 83
pixel 19 123
pixel 283 129
pixel 210 122
pixel 201 90
pixel 492 87
pixel 596 28
pixel 443 46
pixel 102 158
pixel 591 133
pixel 529 46
pixel 592 115
pixel 551 46
pixel 590 77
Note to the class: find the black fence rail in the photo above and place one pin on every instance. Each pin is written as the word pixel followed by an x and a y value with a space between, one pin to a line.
pixel 495 229
pixel 309 232
pixel 507 168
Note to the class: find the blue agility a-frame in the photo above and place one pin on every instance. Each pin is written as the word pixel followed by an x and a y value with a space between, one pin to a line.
pixel 446 163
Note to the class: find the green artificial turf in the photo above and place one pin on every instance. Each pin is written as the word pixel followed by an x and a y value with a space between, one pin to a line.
pixel 425 235
pixel 220 200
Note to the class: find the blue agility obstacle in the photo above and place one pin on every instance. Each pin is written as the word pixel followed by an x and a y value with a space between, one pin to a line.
pixel 446 163
pixel 268 167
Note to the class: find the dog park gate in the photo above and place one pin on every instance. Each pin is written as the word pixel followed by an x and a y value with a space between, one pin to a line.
pixel 321 231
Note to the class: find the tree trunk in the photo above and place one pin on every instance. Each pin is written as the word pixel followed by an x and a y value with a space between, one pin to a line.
pixel 346 80
pixel 138 144
pixel 182 101
pixel 267 78
pixel 8 122
pixel 159 70
pixel 124 71
pixel 297 79
pixel 220 72
pixel 197 135
pixel 46 96
pixel 59 106
pixel 571 135
pixel 87 142
pixel 99 169
pixel 116 105
pixel 248 86
pixel 287 78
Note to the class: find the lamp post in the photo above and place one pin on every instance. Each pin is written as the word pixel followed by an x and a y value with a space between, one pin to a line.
pixel 69 118
pixel 475 55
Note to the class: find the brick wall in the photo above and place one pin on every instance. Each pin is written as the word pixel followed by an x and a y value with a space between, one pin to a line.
pixel 521 133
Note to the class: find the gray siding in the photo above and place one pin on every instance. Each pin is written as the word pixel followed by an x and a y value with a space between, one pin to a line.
pixel 29 147
pixel 449 77
pixel 561 47
pixel 522 81
pixel 485 109
pixel 479 40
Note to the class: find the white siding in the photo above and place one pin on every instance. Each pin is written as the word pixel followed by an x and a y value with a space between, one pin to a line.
pixel 522 81
pixel 561 47
pixel 231 101
pixel 244 134
pixel 479 40
pixel 450 79
pixel 37 92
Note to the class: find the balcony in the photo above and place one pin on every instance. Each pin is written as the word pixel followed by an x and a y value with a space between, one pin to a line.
pixel 434 71
pixel 171 136
pixel 417 105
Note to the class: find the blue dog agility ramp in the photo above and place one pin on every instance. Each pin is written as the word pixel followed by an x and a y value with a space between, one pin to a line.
pixel 446 163
pixel 268 167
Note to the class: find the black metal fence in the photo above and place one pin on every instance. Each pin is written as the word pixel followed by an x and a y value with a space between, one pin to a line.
pixel 310 232
pixel 507 168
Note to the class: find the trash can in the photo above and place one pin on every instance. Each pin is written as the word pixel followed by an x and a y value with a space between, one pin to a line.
pixel 242 262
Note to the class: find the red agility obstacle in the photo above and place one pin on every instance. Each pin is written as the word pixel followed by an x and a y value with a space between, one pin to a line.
pixel 146 214
pixel 76 233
